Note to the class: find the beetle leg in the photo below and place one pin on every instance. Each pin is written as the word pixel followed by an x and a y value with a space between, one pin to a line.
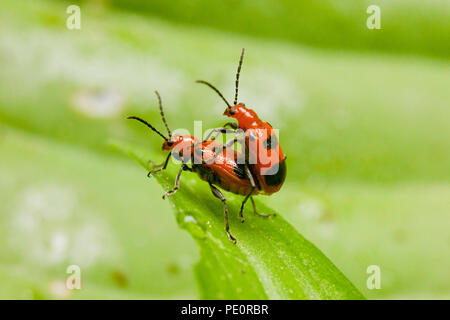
pixel 216 132
pixel 216 192
pixel 177 183
pixel 243 204
pixel 228 144
pixel 223 129
pixel 232 125
pixel 231 142
pixel 150 173
pixel 260 214
pixel 252 182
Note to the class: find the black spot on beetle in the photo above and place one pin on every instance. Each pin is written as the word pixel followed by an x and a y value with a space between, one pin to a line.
pixel 276 174
pixel 271 142
pixel 239 170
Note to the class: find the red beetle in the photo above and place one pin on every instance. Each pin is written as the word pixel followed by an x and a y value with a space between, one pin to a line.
pixel 211 162
pixel 266 160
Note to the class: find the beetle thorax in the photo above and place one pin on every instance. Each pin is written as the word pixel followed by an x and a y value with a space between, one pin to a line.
pixel 247 118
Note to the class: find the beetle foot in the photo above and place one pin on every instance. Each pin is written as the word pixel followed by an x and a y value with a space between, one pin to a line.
pixel 267 216
pixel 232 239
pixel 169 193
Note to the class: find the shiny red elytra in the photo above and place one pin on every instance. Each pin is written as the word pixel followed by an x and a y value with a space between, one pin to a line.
pixel 211 162
pixel 261 143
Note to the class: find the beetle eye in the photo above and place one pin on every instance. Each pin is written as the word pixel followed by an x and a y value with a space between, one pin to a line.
pixel 232 111
pixel 169 143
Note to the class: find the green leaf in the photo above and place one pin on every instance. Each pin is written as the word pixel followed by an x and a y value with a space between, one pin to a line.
pixel 270 260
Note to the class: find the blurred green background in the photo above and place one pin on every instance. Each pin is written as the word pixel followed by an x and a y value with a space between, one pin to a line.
pixel 363 117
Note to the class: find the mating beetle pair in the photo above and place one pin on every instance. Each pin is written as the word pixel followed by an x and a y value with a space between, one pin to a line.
pixel 222 168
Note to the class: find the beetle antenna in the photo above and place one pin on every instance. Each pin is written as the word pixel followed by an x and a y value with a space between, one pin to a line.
pixel 216 90
pixel 162 113
pixel 237 76
pixel 148 125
